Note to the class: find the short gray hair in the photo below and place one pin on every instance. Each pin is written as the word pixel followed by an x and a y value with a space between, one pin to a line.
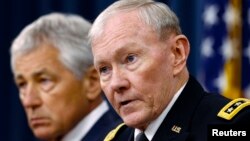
pixel 66 32
pixel 155 14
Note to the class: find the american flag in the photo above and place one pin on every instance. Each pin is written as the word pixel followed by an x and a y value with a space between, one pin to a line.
pixel 225 47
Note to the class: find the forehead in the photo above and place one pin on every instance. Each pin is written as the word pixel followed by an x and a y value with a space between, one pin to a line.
pixel 118 22
pixel 43 57
pixel 122 27
pixel 123 21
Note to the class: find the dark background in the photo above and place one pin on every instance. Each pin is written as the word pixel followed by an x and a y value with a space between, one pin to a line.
pixel 16 14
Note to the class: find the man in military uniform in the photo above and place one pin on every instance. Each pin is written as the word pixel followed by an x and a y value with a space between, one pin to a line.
pixel 140 55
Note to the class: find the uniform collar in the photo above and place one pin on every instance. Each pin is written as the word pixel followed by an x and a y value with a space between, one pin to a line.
pixel 176 124
pixel 153 126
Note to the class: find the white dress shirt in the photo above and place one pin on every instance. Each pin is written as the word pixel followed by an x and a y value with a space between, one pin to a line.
pixel 83 127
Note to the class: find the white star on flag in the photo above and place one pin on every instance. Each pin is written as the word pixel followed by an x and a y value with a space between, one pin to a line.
pixel 220 81
pixel 210 15
pixel 207 47
pixel 227 49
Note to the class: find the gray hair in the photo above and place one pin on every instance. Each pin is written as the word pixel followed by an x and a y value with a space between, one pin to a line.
pixel 66 32
pixel 155 14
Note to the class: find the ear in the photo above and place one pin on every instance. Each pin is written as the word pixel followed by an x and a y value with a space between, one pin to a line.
pixel 92 84
pixel 180 50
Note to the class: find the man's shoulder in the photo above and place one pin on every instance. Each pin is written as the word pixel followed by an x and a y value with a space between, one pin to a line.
pixel 228 110
pixel 221 110
pixel 121 133
pixel 235 109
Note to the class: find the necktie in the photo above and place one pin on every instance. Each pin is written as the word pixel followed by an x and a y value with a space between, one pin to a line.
pixel 141 137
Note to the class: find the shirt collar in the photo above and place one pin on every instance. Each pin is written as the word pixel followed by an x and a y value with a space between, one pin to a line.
pixel 154 125
pixel 83 127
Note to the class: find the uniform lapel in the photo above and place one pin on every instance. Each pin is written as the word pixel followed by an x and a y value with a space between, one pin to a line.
pixel 175 126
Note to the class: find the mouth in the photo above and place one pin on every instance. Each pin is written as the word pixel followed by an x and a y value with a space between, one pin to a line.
pixel 124 103
pixel 128 107
pixel 38 121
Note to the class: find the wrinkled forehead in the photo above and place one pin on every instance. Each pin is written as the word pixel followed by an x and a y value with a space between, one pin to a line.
pixel 130 19
pixel 119 24
pixel 46 51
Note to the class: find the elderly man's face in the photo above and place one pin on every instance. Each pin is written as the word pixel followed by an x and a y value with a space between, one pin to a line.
pixel 54 100
pixel 136 68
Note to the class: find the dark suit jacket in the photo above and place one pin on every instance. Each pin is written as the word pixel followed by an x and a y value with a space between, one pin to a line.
pixel 102 127
pixel 192 112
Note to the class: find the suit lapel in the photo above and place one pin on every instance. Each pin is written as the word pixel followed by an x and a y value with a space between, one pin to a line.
pixel 102 127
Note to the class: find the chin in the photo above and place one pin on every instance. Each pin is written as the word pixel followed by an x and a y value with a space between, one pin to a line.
pixel 44 134
pixel 135 120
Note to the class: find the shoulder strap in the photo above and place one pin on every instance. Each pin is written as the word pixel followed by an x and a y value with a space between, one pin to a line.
pixel 233 107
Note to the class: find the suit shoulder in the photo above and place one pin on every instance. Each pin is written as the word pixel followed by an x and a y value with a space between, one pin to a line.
pixel 111 135
pixel 232 108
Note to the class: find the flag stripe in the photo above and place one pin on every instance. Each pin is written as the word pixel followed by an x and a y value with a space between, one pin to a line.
pixel 232 66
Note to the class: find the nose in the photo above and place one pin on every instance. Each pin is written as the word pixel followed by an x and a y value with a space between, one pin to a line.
pixel 119 81
pixel 30 97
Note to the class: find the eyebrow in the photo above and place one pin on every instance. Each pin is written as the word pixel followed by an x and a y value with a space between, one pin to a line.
pixel 121 49
pixel 118 51
pixel 34 74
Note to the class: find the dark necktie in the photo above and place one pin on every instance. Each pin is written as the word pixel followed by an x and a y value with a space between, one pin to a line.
pixel 141 137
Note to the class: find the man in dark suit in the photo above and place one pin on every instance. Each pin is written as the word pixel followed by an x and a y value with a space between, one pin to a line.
pixel 140 55
pixel 58 85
